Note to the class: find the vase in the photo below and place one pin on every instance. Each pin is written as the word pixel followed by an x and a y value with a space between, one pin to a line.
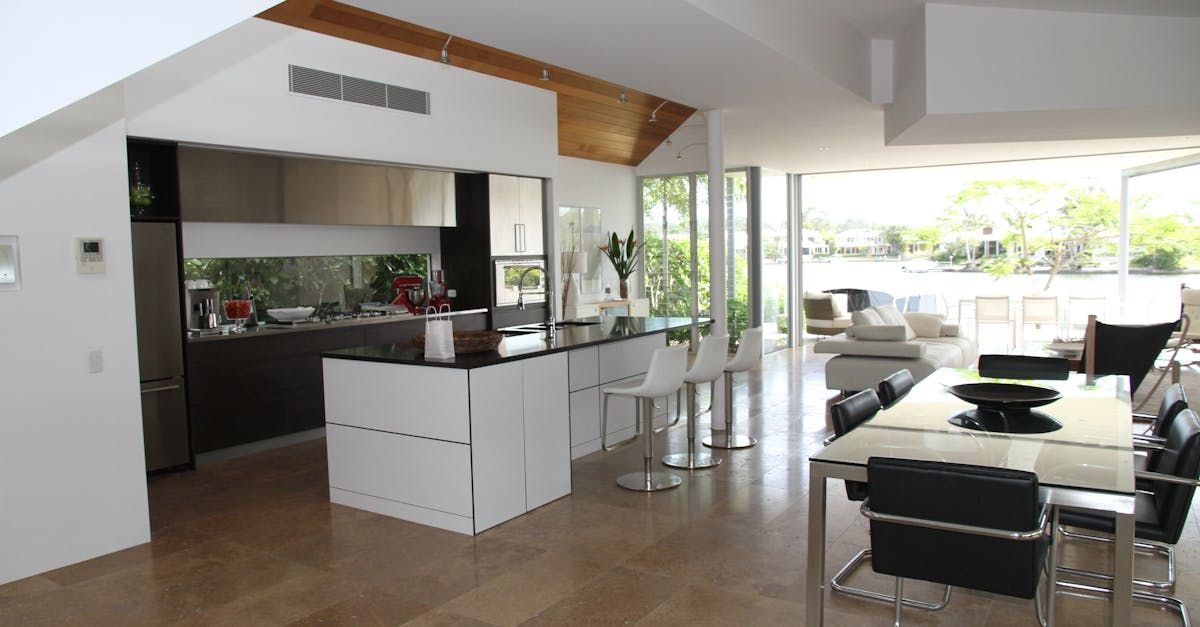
pixel 624 287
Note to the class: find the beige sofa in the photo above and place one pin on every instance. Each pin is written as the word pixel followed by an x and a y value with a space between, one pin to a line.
pixel 883 341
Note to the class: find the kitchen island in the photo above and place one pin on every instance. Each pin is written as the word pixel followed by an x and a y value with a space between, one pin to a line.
pixel 467 443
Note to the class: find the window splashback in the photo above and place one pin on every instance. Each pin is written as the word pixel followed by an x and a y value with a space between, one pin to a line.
pixel 329 283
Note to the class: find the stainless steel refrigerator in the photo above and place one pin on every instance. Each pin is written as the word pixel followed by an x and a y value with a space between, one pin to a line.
pixel 156 282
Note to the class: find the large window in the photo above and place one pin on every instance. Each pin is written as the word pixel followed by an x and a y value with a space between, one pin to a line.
pixel 675 227
pixel 935 238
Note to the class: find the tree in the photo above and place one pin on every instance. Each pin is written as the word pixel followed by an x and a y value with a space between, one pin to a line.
pixel 1162 242
pixel 897 237
pixel 1087 217
pixel 1021 203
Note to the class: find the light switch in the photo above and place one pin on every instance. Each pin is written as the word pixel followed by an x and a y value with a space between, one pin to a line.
pixel 96 361
pixel 10 276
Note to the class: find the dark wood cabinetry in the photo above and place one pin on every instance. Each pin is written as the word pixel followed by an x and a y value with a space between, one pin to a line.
pixel 158 165
pixel 251 388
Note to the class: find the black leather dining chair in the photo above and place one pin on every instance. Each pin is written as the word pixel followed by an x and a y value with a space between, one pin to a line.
pixel 1123 349
pixel 1024 367
pixel 1161 510
pixel 895 387
pixel 1173 402
pixel 960 525
pixel 848 414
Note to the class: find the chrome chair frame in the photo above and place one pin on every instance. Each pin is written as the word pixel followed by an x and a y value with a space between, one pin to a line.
pixel 1153 597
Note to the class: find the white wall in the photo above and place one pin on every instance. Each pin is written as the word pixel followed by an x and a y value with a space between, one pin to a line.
pixel 95 44
pixel 610 187
pixel 996 59
pixel 72 475
pixel 990 74
pixel 232 90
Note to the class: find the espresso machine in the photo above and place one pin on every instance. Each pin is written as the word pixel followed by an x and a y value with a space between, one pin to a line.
pixel 411 293
pixel 202 301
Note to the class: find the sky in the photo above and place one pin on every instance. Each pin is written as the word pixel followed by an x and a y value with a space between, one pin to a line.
pixel 918 195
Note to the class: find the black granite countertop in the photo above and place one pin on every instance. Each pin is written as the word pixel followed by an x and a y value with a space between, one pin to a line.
pixel 268 329
pixel 602 330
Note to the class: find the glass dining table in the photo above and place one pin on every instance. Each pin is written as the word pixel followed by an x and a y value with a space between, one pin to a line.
pixel 1086 464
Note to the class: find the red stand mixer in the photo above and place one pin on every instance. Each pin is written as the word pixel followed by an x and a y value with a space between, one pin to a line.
pixel 412 294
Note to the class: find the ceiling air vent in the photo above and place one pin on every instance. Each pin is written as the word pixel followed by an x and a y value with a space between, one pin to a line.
pixel 303 80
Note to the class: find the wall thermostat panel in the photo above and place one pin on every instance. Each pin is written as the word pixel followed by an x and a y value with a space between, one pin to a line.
pixel 10 263
pixel 89 255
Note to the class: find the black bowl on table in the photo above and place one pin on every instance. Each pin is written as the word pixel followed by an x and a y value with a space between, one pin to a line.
pixel 1005 407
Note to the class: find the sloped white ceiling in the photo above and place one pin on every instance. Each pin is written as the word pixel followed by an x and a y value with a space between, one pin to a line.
pixel 789 104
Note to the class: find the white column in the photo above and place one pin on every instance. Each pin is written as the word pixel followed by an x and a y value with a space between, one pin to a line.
pixel 1123 250
pixel 716 244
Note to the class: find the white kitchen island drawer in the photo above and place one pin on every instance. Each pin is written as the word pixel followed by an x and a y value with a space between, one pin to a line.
pixel 418 472
pixel 397 398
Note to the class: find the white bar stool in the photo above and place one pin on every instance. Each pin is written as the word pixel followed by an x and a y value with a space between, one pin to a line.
pixel 710 361
pixel 748 354
pixel 665 375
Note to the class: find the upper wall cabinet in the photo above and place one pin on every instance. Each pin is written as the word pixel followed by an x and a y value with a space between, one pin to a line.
pixel 515 213
pixel 228 186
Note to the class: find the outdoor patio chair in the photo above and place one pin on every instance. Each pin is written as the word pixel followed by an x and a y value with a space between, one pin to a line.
pixel 1039 311
pixel 994 310
pixel 1078 310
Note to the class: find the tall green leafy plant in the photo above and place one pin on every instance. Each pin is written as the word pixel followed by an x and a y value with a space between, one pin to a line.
pixel 623 254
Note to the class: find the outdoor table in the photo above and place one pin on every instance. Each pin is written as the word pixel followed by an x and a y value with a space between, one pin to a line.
pixel 1087 464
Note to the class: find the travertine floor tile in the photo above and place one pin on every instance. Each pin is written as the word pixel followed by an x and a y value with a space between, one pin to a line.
pixel 255 541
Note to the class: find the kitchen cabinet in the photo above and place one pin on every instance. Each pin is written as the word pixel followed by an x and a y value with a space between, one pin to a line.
pixel 268 382
pixel 231 186
pixel 496 439
pixel 591 369
pixel 515 215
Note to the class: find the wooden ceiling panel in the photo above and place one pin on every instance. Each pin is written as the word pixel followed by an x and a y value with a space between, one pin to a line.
pixel 592 122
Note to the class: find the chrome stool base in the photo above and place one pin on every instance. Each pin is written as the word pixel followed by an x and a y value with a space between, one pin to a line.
pixel 652 482
pixel 729 441
pixel 691 461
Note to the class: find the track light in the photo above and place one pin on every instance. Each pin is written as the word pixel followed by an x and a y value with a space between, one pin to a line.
pixel 545 73
pixel 445 51
pixel 622 97
pixel 679 155
pixel 654 113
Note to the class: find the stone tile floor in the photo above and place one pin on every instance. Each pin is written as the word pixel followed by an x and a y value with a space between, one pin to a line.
pixel 254 541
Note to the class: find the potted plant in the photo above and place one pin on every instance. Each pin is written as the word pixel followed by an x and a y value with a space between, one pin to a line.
pixel 624 257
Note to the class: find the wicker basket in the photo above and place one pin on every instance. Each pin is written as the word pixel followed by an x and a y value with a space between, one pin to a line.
pixel 468 341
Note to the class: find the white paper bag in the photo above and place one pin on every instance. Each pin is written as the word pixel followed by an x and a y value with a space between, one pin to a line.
pixel 439 335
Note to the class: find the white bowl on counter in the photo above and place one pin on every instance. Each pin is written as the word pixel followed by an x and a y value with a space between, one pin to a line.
pixel 291 314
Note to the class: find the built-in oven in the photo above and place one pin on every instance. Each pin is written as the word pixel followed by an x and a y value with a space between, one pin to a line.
pixel 514 275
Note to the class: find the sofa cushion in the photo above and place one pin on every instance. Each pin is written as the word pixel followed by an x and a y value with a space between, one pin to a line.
pixel 892 316
pixel 925 324
pixel 963 350
pixel 840 344
pixel 866 317
pixel 880 332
